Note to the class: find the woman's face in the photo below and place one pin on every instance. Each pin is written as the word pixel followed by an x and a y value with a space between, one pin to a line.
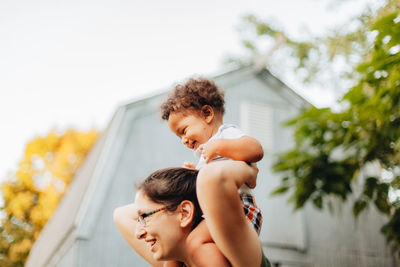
pixel 162 233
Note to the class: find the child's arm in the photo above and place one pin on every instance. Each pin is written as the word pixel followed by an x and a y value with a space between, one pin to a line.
pixel 245 148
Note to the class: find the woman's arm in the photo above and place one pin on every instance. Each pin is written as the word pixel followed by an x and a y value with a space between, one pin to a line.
pixel 217 192
pixel 125 218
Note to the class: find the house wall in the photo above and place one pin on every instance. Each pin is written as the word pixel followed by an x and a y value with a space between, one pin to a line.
pixel 339 240
pixel 144 143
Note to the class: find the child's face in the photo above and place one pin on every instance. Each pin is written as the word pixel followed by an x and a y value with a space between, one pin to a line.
pixel 193 129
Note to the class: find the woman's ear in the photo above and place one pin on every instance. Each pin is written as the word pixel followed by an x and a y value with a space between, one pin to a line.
pixel 207 112
pixel 186 209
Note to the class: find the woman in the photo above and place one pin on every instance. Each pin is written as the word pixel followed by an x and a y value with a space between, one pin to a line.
pixel 166 210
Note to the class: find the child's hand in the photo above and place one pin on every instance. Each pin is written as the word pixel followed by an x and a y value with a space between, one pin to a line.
pixel 189 165
pixel 209 150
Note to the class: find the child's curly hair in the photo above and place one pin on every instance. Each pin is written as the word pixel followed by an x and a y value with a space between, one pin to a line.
pixel 194 94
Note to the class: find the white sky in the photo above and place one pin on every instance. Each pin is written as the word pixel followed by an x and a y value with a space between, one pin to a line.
pixel 71 63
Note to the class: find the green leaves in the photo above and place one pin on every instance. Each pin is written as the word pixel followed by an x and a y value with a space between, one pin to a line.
pixel 359 206
pixel 390 230
pixel 374 191
pixel 333 150
pixel 315 57
pixel 318 202
pixel 280 190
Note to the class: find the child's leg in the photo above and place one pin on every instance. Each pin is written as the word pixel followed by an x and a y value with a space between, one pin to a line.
pixel 202 249
pixel 217 191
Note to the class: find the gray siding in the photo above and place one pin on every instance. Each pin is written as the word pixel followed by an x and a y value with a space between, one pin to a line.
pixel 68 259
pixel 139 142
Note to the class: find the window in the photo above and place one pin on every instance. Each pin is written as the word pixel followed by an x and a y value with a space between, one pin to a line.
pixel 256 120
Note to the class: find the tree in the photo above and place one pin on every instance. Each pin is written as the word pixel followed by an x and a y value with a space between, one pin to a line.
pixel 313 60
pixel 333 147
pixel 34 190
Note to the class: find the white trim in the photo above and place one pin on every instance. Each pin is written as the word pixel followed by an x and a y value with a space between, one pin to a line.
pixel 99 169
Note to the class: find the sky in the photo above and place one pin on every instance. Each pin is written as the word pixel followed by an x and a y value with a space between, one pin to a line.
pixel 71 63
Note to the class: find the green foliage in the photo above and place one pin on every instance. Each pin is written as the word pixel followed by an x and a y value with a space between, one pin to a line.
pixel 332 148
pixel 315 57
pixel 15 242
pixel 390 230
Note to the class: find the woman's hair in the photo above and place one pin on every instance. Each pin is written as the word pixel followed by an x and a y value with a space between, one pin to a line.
pixel 194 94
pixel 170 187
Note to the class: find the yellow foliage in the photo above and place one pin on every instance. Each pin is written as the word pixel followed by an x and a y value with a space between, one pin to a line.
pixel 8 191
pixel 25 177
pixel 47 203
pixel 21 204
pixel 41 145
pixel 20 249
pixel 48 166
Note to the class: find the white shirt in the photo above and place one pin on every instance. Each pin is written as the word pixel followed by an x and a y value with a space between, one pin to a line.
pixel 225 131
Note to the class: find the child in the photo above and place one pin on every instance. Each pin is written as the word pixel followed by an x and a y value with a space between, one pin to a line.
pixel 194 112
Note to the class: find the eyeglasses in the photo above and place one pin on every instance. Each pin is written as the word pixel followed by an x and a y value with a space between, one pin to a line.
pixel 142 217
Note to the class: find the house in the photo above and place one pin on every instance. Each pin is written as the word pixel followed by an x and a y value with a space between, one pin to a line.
pixel 81 232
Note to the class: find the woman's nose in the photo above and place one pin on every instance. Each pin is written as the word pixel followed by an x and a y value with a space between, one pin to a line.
pixel 140 232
